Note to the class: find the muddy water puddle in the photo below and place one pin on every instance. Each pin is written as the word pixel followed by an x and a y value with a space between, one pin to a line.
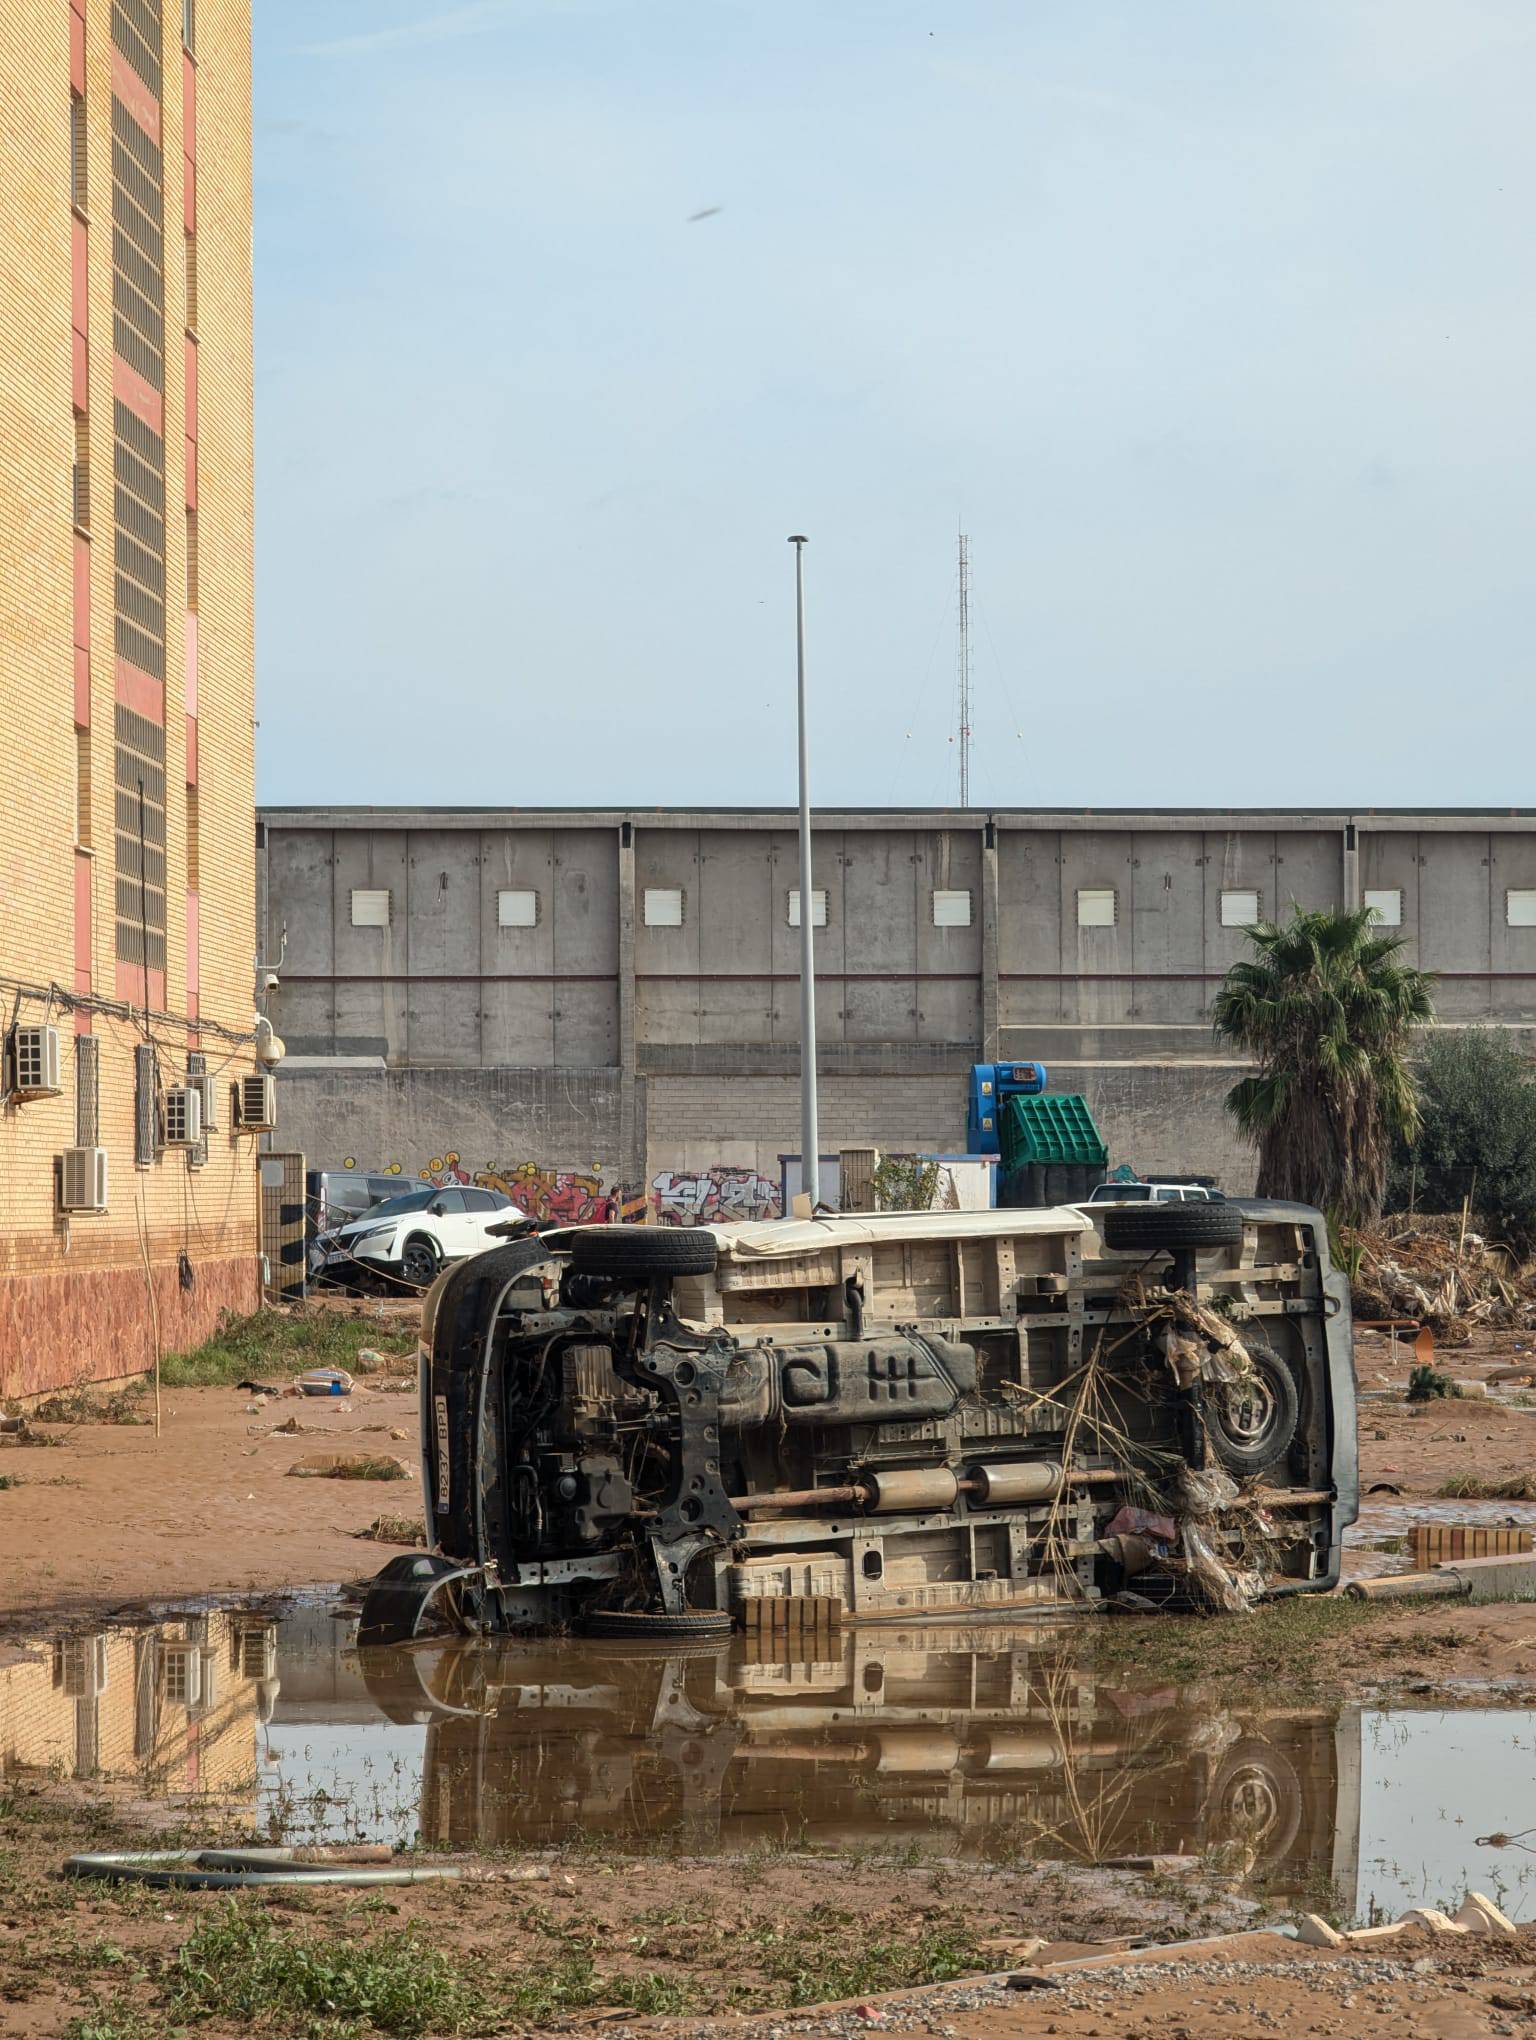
pixel 987 1744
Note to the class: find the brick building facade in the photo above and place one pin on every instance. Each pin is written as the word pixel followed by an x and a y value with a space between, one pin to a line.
pixel 126 673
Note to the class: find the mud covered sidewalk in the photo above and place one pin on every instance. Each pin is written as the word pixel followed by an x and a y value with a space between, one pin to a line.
pixel 97 1512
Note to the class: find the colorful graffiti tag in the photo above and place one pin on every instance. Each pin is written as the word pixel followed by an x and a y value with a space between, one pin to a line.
pixel 713 1196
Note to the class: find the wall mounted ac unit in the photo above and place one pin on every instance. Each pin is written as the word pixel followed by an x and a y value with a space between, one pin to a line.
pixel 83 1179
pixel 183 1115
pixel 255 1104
pixel 35 1061
pixel 209 1088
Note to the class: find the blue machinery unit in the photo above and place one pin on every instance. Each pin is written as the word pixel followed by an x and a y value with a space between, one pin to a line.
pixel 992 1085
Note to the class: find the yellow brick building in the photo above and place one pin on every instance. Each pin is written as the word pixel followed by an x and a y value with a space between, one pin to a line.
pixel 126 680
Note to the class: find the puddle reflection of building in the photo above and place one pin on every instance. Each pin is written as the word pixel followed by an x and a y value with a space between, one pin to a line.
pixel 171 1709
pixel 971 1743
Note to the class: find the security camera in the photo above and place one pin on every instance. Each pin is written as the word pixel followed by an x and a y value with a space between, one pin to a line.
pixel 270 981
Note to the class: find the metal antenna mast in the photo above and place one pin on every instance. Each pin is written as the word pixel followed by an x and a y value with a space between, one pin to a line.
pixel 963 690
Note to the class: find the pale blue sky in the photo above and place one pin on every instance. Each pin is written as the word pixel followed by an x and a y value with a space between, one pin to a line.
pixel 1213 319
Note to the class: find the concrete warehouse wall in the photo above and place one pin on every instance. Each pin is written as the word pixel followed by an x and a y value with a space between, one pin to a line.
pixel 656 954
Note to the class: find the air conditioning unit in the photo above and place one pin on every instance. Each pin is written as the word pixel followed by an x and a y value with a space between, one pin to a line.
pixel 255 1104
pixel 83 1179
pixel 35 1061
pixel 183 1115
pixel 209 1089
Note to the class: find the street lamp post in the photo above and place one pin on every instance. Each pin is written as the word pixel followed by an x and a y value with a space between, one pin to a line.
pixel 810 1138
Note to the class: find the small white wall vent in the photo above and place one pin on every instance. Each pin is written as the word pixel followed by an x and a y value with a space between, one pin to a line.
pixel 517 907
pixel 951 907
pixel 1239 906
pixel 370 907
pixel 183 1115
pixel 35 1061
pixel 255 1101
pixel 1520 907
pixel 83 1179
pixel 1386 905
pixel 1096 906
pixel 818 907
pixel 663 906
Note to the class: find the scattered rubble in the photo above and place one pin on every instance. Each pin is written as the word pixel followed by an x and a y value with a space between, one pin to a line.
pixel 349 1466
pixel 1437 1272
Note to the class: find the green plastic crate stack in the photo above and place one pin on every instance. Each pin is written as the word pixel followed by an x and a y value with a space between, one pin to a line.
pixel 1050 1150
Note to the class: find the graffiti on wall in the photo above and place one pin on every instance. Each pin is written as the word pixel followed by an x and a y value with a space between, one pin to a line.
pixel 713 1196
pixel 716 1196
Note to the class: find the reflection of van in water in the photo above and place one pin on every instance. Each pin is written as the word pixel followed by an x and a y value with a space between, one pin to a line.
pixel 980 1742
pixel 889 1417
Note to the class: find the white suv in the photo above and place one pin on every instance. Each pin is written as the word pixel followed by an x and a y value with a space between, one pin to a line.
pixel 1154 1193
pixel 414 1236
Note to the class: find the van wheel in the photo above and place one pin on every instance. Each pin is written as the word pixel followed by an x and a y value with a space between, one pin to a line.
pixel 642 1250
pixel 697 1623
pixel 1256 1802
pixel 420 1261
pixel 1152 1228
pixel 1252 1422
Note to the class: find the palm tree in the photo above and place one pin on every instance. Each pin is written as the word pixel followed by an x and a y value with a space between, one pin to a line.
pixel 1325 1009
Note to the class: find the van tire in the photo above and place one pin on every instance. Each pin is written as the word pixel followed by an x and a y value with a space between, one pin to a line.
pixel 696 1624
pixel 1252 1424
pixel 1154 1228
pixel 642 1250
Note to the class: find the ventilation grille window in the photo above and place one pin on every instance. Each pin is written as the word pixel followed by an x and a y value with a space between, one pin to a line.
pixel 197 1070
pixel 87 1090
pixel 79 190
pixel 82 787
pixel 138 253
pixel 140 760
pixel 81 493
pixel 137 32
pixel 138 518
pixel 144 1103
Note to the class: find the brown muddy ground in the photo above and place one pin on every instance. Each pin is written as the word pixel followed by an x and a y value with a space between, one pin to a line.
pixel 762 1944
pixel 112 1514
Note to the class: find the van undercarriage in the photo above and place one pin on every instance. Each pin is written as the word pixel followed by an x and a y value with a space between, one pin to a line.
pixel 881 1418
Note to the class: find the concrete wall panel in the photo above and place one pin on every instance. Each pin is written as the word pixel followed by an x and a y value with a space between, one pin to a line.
pixel 517 860
pixel 586 1020
pixel 518 1026
pixel 443 875
pixel 1454 914
pixel 1167 926
pixel 586 895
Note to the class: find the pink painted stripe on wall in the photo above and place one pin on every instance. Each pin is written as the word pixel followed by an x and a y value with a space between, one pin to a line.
pixel 130 985
pixel 82 688
pixel 145 402
pixel 136 96
pixel 191 644
pixel 80 373
pixel 77 47
pixel 191 750
pixel 141 692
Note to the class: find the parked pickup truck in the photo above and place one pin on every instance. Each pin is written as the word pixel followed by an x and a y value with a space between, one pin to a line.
pixel 882 1418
